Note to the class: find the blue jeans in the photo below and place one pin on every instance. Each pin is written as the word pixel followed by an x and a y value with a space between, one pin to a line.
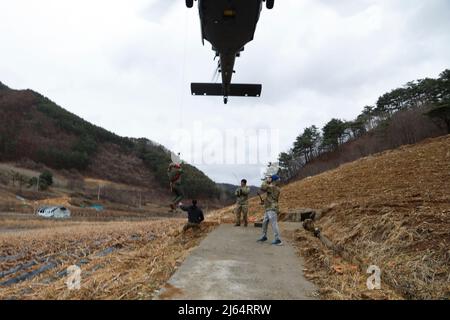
pixel 271 216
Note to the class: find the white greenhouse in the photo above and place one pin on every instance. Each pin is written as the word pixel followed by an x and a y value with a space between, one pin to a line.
pixel 54 212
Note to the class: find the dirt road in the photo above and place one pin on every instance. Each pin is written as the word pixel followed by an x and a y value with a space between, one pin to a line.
pixel 230 264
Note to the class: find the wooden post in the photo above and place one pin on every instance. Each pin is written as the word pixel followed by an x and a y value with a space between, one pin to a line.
pixel 140 199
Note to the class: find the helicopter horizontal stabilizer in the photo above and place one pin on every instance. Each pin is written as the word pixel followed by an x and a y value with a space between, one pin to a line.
pixel 235 90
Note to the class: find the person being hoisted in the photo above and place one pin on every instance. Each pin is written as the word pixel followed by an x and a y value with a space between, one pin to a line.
pixel 175 172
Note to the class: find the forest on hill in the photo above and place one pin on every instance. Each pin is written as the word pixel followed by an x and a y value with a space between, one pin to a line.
pixel 36 131
pixel 418 110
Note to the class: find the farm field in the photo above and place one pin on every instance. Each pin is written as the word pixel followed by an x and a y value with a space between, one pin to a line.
pixel 119 259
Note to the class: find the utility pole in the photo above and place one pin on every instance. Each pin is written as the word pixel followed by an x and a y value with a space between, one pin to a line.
pixel 98 193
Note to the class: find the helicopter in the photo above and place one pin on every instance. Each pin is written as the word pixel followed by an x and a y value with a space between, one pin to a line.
pixel 228 25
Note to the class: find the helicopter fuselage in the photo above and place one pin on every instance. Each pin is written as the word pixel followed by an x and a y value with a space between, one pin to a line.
pixel 228 25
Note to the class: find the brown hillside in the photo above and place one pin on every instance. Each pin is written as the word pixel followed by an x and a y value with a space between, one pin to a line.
pixel 391 210
pixel 37 134
pixel 21 120
pixel 410 176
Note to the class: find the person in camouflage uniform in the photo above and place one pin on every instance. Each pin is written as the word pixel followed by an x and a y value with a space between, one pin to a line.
pixel 175 172
pixel 271 208
pixel 241 194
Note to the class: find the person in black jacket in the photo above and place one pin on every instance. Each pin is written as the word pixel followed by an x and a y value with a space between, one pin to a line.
pixel 195 216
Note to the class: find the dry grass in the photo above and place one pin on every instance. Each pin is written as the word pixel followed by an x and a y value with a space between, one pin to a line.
pixel 119 260
pixel 6 168
pixel 62 193
pixel 60 197
pixel 337 278
pixel 391 209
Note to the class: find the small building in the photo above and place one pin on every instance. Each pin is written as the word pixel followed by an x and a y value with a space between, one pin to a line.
pixel 54 212
pixel 97 207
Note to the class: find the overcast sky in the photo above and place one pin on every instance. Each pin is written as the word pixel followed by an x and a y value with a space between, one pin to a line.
pixel 127 66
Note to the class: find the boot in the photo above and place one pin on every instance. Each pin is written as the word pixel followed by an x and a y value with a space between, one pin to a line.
pixel 262 239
